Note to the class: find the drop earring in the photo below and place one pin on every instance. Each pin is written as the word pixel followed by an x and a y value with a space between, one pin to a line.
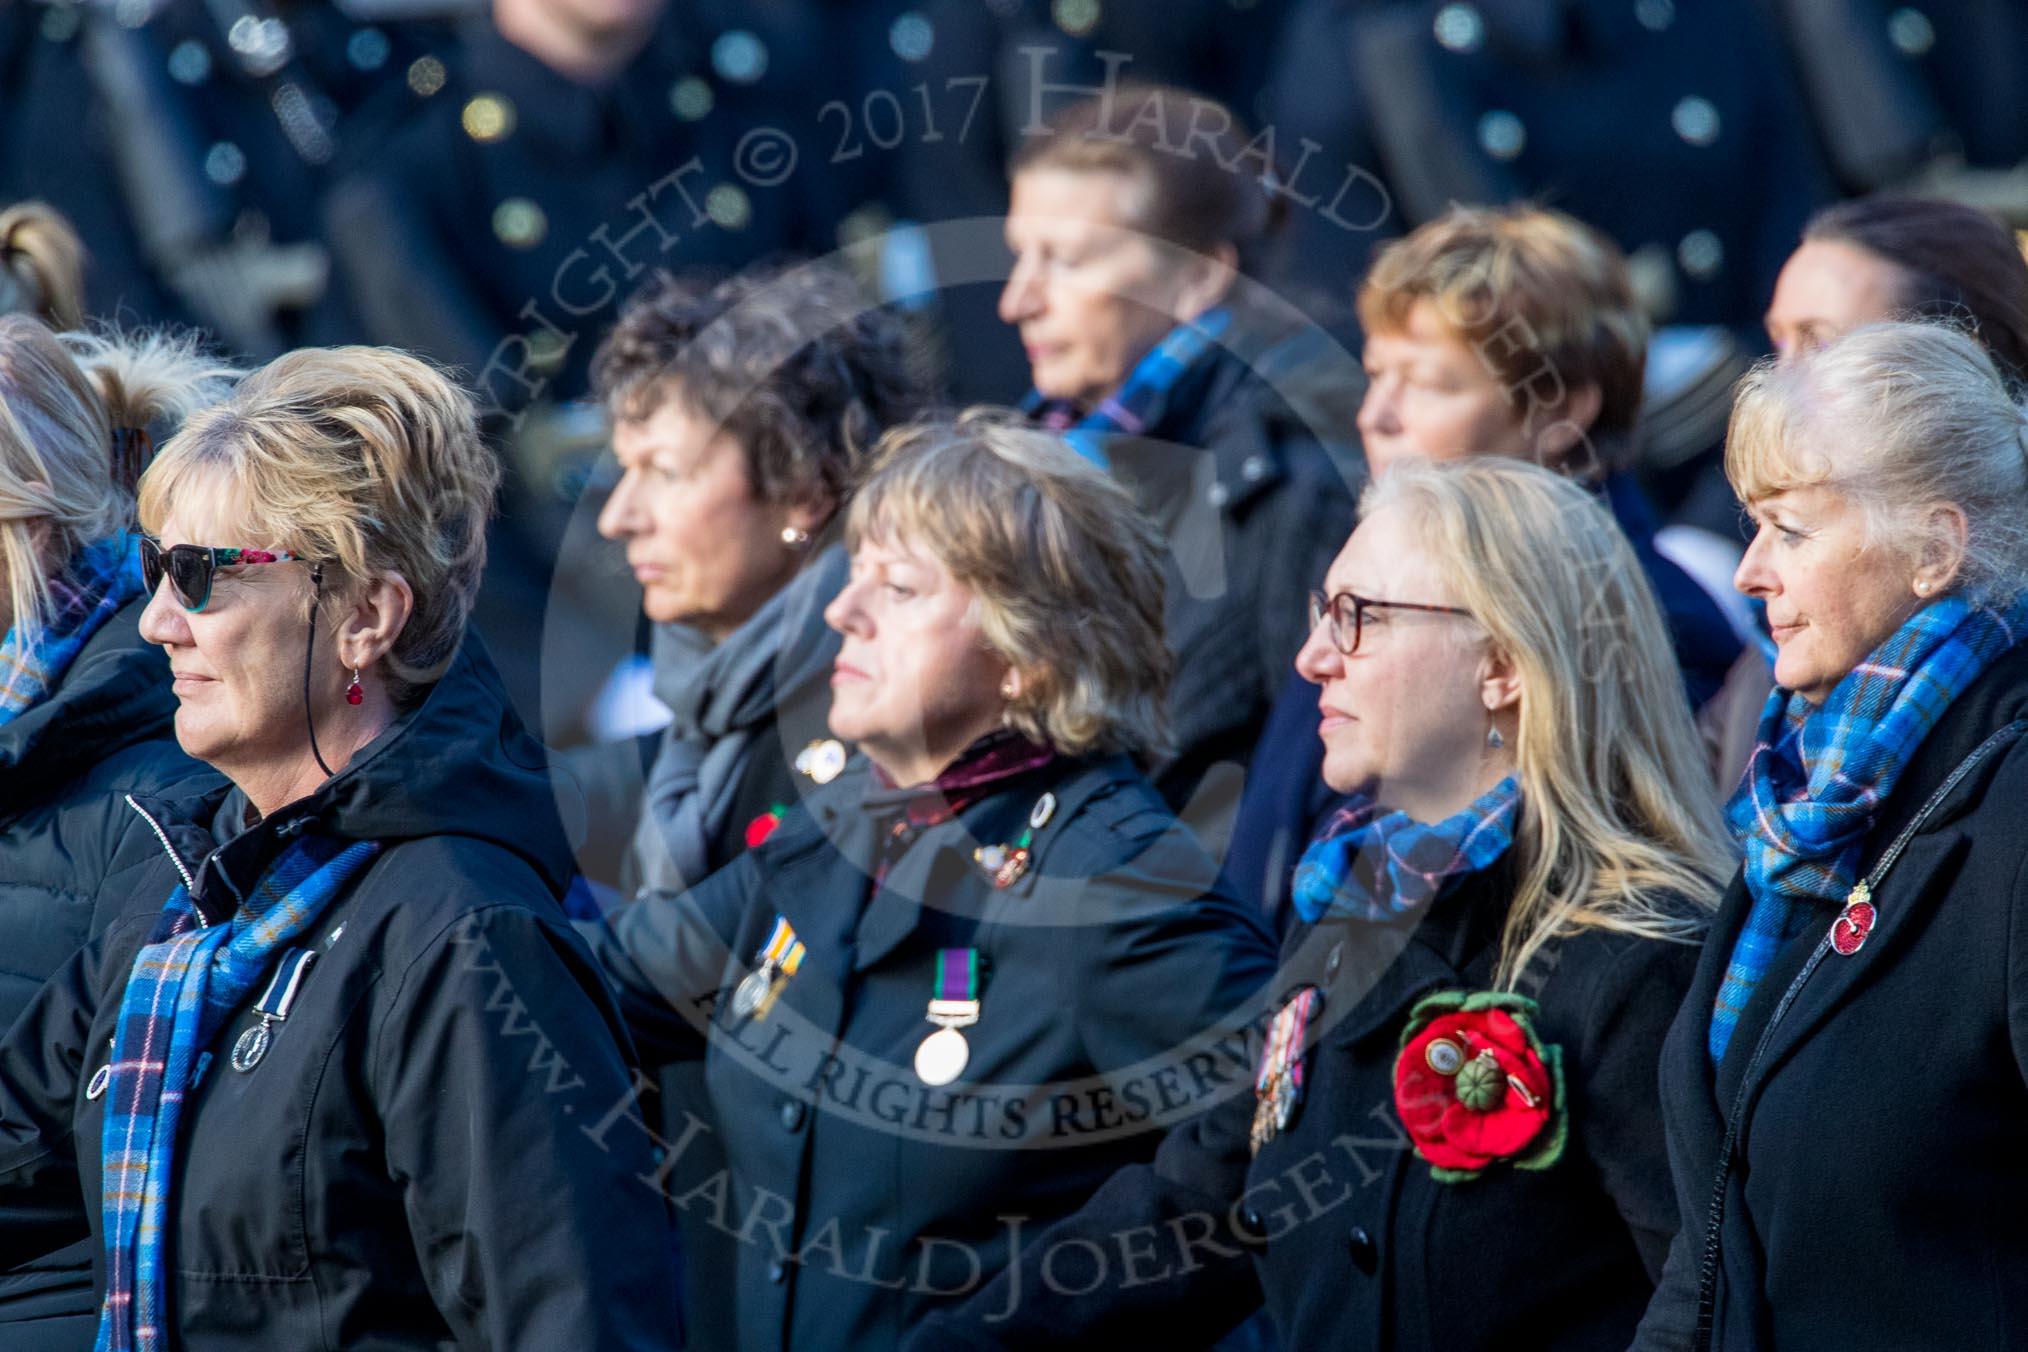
pixel 355 693
pixel 1494 739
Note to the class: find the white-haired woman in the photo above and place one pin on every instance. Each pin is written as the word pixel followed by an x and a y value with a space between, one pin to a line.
pixel 1850 1068
pixel 84 702
pixel 982 967
pixel 1455 1139
pixel 322 1084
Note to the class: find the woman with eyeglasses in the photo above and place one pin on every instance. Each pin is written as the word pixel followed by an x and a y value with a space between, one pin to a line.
pixel 323 1084
pixel 84 702
pixel 1455 1139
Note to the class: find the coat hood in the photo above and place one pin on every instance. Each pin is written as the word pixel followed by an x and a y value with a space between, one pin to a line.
pixel 460 764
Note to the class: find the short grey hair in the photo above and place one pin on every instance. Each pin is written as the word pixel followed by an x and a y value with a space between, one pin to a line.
pixel 1899 417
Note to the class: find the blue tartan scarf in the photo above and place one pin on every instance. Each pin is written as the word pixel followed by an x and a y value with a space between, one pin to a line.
pixel 1818 776
pixel 101 579
pixel 1142 399
pixel 186 983
pixel 1374 865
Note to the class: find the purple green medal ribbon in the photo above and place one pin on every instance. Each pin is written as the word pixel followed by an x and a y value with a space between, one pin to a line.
pixel 957 975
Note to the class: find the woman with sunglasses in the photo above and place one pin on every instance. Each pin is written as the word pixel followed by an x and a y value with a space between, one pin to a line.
pixel 84 702
pixel 323 1085
pixel 1455 1139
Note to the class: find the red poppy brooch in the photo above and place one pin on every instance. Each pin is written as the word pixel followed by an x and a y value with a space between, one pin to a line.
pixel 1475 1086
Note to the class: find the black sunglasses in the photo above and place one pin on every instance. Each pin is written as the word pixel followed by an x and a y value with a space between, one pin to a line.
pixel 1347 613
pixel 191 568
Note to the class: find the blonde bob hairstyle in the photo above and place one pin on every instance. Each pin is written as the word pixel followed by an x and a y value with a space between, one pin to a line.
pixel 1899 418
pixel 1619 826
pixel 364 459
pixel 1066 572
pixel 62 398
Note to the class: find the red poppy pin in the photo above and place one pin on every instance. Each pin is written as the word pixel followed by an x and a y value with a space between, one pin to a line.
pixel 763 826
pixel 1474 1085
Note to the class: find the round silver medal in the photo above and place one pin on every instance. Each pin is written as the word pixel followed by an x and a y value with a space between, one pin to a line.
pixel 251 1047
pixel 941 1057
pixel 747 998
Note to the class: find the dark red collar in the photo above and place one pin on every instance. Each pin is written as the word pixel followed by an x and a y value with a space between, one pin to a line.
pixel 985 765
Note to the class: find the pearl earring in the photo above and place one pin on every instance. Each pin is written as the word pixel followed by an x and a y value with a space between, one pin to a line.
pixel 795 537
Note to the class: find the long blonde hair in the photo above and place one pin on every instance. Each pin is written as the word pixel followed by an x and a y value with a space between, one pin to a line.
pixel 62 397
pixel 1619 825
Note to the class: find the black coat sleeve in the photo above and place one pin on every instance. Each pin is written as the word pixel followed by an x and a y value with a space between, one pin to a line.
pixel 536 1231
pixel 1190 1277
pixel 1633 1000
pixel 664 954
pixel 43 1059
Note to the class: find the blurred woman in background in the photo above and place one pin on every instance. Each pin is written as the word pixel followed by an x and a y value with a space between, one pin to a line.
pixel 1130 245
pixel 1904 258
pixel 85 704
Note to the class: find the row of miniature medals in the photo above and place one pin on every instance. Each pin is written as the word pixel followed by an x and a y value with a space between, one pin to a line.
pixel 954 997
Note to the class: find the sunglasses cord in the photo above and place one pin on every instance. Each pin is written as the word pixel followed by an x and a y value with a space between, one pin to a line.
pixel 309 655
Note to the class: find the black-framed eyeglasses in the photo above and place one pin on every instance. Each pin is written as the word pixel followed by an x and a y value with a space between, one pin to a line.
pixel 1347 613
pixel 191 568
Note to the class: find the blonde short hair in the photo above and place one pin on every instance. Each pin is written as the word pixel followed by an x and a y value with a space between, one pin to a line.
pixel 1898 417
pixel 1619 812
pixel 1543 299
pixel 1066 570
pixel 62 399
pixel 365 459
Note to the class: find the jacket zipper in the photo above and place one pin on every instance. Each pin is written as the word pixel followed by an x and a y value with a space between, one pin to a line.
pixel 189 883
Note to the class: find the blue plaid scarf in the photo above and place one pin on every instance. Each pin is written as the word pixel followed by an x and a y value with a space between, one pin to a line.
pixel 1818 776
pixel 1374 865
pixel 186 983
pixel 1142 399
pixel 101 579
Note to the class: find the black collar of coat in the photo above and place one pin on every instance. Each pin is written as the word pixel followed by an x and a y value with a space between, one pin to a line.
pixel 802 860
pixel 1383 967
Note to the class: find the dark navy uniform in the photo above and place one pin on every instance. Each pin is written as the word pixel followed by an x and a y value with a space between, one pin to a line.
pixel 501 224
pixel 1896 89
pixel 1353 1242
pixel 1113 988
pixel 1673 127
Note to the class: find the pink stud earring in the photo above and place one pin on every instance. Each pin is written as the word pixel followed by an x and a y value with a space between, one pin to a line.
pixel 354 694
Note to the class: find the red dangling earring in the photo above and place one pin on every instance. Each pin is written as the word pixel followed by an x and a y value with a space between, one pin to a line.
pixel 353 693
